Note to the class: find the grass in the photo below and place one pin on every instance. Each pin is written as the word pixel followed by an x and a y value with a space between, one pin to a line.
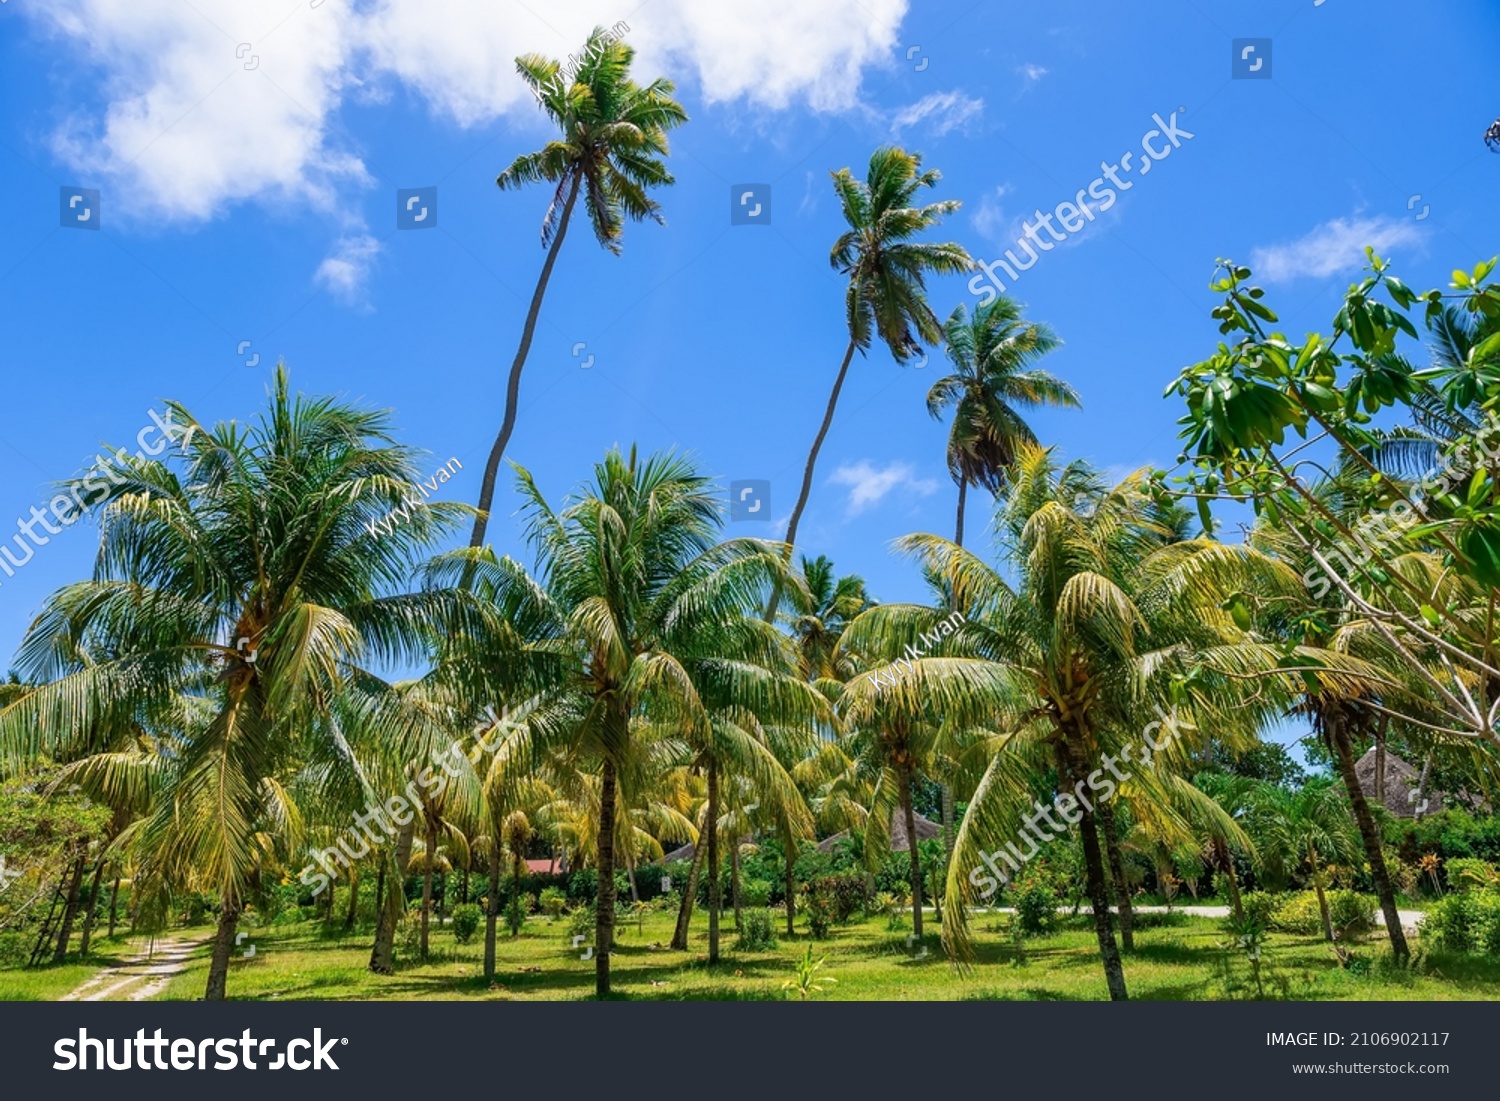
pixel 52 981
pixel 1182 958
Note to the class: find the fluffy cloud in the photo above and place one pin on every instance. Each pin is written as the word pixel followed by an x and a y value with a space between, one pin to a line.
pixel 941 111
pixel 1333 248
pixel 346 270
pixel 869 484
pixel 184 128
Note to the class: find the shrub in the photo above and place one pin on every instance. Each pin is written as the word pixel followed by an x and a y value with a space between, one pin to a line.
pixel 466 920
pixel 1465 873
pixel 15 949
pixel 1036 908
pixel 1260 907
pixel 847 893
pixel 553 901
pixel 755 893
pixel 515 913
pixel 821 909
pixel 758 934
pixel 582 923
pixel 1351 911
pixel 1453 922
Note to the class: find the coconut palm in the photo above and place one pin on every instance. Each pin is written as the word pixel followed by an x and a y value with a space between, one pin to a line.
pixel 1311 825
pixel 640 594
pixel 820 613
pixel 887 268
pixel 246 561
pixel 612 137
pixel 993 353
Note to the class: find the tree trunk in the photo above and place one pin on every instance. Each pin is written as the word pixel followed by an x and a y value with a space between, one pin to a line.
pixel 353 911
pixel 1226 861
pixel 711 826
pixel 912 853
pixel 114 895
pixel 1369 833
pixel 515 894
pixel 791 887
pixel 1317 878
pixel 218 966
pixel 689 897
pixel 392 905
pixel 1380 729
pixel 1419 797
pixel 93 908
pixel 463 887
pixel 430 857
pixel 790 538
pixel 635 891
pixel 604 929
pixel 70 909
pixel 513 383
pixel 963 495
pixel 492 910
pixel 1117 874
pixel 1072 763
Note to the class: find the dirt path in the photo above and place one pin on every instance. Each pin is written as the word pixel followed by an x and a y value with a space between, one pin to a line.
pixel 140 978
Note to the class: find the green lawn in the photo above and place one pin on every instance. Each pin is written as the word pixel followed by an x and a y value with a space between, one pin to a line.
pixel 1181 961
pixel 52 981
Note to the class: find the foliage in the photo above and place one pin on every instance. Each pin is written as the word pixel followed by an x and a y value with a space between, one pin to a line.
pixel 465 920
pixel 1036 907
pixel 1349 911
pixel 553 902
pixel 755 893
pixel 808 982
pixel 758 934
pixel 845 894
pixel 1464 873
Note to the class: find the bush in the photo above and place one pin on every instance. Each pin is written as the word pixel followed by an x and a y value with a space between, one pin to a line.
pixel 553 901
pixel 1452 924
pixel 846 892
pixel 582 923
pixel 1036 908
pixel 515 913
pixel 758 934
pixel 1260 907
pixel 15 949
pixel 1465 873
pixel 821 908
pixel 755 893
pixel 1350 912
pixel 466 920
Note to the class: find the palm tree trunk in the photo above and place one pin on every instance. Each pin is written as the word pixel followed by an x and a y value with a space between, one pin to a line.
pixel 353 911
pixel 1369 833
pixel 1317 878
pixel 689 897
pixel 492 910
pixel 711 826
pixel 513 383
pixel 1117 875
pixel 392 905
pixel 463 887
pixel 791 887
pixel 911 849
pixel 958 526
pixel 114 895
pixel 807 474
pixel 70 909
pixel 431 857
pixel 635 892
pixel 1385 722
pixel 1226 861
pixel 1072 763
pixel 734 885
pixel 88 914
pixel 1419 797
pixel 218 966
pixel 604 929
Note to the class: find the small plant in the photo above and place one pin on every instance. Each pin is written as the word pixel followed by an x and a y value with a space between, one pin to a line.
pixel 1036 908
pixel 1429 865
pixel 553 902
pixel 759 934
pixel 515 913
pixel 755 894
pixel 821 911
pixel 582 922
pixel 466 920
pixel 808 982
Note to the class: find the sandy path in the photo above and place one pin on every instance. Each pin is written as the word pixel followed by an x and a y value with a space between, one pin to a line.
pixel 140 978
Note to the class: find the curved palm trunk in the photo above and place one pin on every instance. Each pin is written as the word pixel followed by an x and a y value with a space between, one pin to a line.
pixel 1072 763
pixel 604 928
pixel 218 967
pixel 1117 875
pixel 689 897
pixel 711 826
pixel 114 897
pixel 93 909
pixel 1369 833
pixel 492 913
pixel 431 855
pixel 70 909
pixel 734 885
pixel 913 854
pixel 1317 878
pixel 513 383
pixel 807 474
pixel 392 905
pixel 963 497
pixel 1226 861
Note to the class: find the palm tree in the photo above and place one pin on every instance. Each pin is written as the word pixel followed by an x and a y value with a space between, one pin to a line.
pixel 252 569
pixel 820 612
pixel 613 134
pixel 992 353
pixel 1311 825
pixel 643 600
pixel 887 270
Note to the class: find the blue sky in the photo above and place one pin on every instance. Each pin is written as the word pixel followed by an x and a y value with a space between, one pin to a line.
pixel 258 204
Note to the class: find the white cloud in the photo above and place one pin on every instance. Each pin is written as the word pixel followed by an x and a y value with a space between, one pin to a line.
pixel 869 484
pixel 346 270
pixel 1030 74
pixel 184 129
pixel 989 219
pixel 942 111
pixel 1332 248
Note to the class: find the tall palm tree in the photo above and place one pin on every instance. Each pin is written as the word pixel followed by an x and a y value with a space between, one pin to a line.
pixel 820 612
pixel 612 136
pixel 245 561
pixel 640 594
pixel 887 269
pixel 1311 825
pixel 992 354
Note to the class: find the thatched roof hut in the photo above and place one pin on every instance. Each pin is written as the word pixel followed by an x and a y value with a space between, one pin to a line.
pixel 926 831
pixel 1400 787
